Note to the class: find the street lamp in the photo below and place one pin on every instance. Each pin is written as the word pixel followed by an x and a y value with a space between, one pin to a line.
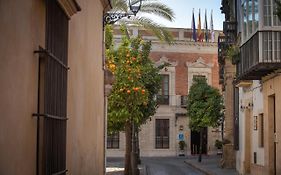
pixel 112 17
pixel 135 6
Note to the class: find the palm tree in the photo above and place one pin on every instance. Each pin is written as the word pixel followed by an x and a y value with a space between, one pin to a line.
pixel 153 7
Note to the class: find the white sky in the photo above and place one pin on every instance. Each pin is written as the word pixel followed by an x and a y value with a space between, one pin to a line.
pixel 183 13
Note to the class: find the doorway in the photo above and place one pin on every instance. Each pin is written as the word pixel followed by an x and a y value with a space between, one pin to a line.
pixel 195 141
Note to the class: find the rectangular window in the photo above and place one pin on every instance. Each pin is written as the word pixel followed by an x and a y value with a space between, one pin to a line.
pixel 244 11
pixel 276 21
pixel 113 141
pixel 267 46
pixel 250 17
pixel 267 12
pixel 199 76
pixel 162 134
pixel 261 130
pixel 163 95
pixel 256 15
pixel 52 90
pixel 271 46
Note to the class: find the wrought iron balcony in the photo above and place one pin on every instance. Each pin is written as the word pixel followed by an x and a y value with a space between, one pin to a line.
pixel 259 56
pixel 221 74
pixel 229 26
pixel 163 99
pixel 183 100
pixel 230 31
pixel 222 46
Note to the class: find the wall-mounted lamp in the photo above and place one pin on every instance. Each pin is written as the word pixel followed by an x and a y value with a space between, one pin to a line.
pixel 112 17
pixel 181 127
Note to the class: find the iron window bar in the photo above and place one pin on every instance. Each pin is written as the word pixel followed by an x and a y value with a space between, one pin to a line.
pixel 60 172
pixel 50 55
pixel 49 116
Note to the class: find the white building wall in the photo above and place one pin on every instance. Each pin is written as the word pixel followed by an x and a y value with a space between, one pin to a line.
pixel 245 95
pixel 257 110
pixel 250 98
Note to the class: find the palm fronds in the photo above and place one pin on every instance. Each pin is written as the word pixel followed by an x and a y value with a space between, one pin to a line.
pixel 153 7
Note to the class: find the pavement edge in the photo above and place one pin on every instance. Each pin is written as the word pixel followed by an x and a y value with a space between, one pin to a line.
pixel 206 172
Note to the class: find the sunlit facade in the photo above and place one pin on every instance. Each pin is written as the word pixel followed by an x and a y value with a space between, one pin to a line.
pixel 160 135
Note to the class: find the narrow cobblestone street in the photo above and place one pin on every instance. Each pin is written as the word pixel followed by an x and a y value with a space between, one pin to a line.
pixel 169 166
pixel 154 166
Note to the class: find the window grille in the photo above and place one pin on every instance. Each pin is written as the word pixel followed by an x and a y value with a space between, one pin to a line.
pixel 163 95
pixel 162 134
pixel 52 93
pixel 113 141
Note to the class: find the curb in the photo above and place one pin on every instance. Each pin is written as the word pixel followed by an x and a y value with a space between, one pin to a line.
pixel 199 168
pixel 143 170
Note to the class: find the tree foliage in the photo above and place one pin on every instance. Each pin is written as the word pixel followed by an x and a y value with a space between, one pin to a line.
pixel 153 7
pixel 136 81
pixel 204 105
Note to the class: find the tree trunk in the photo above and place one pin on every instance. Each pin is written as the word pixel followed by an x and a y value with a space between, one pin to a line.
pixel 201 144
pixel 128 134
pixel 138 147
pixel 134 165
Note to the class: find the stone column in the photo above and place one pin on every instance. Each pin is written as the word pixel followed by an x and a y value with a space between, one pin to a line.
pixel 228 160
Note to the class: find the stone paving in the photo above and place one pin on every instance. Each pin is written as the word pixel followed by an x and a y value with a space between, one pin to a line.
pixel 116 167
pixel 209 165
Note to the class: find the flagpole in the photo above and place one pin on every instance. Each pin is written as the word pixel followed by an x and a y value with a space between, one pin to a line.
pixel 212 28
pixel 206 27
pixel 199 27
pixel 191 23
pixel 193 27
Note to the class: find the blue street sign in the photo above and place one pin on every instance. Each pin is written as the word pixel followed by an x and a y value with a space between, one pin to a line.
pixel 181 136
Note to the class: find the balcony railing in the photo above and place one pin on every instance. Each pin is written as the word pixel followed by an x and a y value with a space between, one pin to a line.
pixel 183 100
pixel 260 55
pixel 229 26
pixel 230 31
pixel 221 74
pixel 222 46
pixel 163 99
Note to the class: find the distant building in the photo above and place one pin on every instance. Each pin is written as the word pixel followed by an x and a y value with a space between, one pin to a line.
pixel 52 117
pixel 161 134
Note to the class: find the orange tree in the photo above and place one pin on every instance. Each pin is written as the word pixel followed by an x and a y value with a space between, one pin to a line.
pixel 204 107
pixel 131 101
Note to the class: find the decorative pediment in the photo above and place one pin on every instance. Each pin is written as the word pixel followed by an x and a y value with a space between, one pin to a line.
pixel 70 7
pixel 199 63
pixel 163 60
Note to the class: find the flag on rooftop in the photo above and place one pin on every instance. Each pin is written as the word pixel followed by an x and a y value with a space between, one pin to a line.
pixel 212 28
pixel 194 36
pixel 199 31
pixel 206 31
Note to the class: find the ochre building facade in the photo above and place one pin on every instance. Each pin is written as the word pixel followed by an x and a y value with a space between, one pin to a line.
pixel 52 87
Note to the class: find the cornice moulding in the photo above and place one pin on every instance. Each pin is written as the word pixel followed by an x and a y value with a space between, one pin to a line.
pixel 163 60
pixel 199 63
pixel 70 7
